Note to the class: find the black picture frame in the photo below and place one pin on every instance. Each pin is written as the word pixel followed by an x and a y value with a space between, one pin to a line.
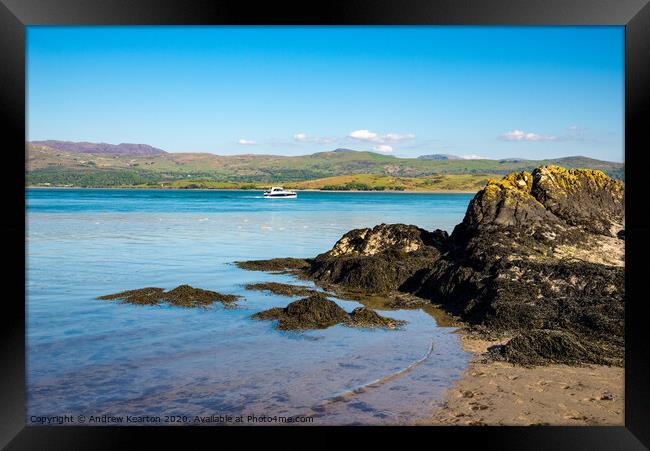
pixel 15 15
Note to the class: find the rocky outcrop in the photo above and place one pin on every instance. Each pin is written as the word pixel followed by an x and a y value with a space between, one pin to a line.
pixel 384 238
pixel 552 198
pixel 316 312
pixel 539 347
pixel 368 318
pixel 378 260
pixel 540 251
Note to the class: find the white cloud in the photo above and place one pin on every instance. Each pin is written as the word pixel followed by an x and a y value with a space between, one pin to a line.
pixel 302 137
pixel 365 135
pixel 473 157
pixel 385 148
pixel 520 135
pixel 246 142
pixel 394 137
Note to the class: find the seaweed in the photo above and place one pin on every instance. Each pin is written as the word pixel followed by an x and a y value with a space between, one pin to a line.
pixel 142 296
pixel 278 265
pixel 315 312
pixel 541 347
pixel 285 289
pixel 308 313
pixel 367 318
pixel 181 296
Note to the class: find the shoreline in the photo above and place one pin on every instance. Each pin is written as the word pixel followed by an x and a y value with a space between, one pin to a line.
pixel 500 394
pixel 255 190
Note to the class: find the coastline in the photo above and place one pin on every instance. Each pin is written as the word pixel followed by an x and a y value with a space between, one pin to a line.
pixel 253 190
pixel 543 395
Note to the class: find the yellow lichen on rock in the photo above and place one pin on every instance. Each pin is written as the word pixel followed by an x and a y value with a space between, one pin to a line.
pixel 520 180
pixel 567 180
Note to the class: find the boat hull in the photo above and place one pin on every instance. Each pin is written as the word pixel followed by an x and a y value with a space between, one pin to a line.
pixel 280 196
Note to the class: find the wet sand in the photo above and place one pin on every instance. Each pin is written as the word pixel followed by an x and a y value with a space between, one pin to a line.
pixel 498 393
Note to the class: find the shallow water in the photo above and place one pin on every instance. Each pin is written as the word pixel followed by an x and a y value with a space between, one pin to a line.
pixel 91 357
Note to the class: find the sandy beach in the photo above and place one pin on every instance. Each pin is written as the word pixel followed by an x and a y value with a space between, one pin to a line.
pixel 498 393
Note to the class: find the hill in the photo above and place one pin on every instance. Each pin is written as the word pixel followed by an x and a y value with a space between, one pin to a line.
pixel 439 156
pixel 102 165
pixel 87 147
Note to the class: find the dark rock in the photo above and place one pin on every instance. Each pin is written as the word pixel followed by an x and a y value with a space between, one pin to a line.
pixel 378 260
pixel 315 312
pixel 539 347
pixel 402 301
pixel 396 238
pixel 278 265
pixel 365 317
pixel 550 199
pixel 581 197
pixel 308 313
pixel 285 289
pixel 505 202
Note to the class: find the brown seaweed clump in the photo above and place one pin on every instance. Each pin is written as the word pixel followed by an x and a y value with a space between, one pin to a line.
pixel 314 312
pixel 365 317
pixel 285 289
pixel 540 347
pixel 181 296
pixel 277 265
pixel 142 296
pixel 308 313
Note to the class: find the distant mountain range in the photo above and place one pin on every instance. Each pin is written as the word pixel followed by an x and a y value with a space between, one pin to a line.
pixel 439 156
pixel 86 147
pixel 99 164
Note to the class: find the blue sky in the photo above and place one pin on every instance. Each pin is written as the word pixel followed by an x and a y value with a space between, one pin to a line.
pixel 496 92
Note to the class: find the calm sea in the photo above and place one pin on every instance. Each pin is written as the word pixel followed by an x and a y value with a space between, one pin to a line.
pixel 91 357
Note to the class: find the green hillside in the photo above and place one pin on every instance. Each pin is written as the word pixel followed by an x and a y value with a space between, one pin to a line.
pixel 60 167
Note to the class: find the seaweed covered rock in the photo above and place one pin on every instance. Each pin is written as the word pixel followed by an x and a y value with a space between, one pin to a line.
pixel 539 253
pixel 315 312
pixel 365 317
pixel 278 265
pixel 376 274
pixel 188 296
pixel 141 296
pixel 552 199
pixel 378 260
pixel 539 347
pixel 285 289
pixel 581 197
pixel 308 313
pixel 505 202
pixel 399 238
pixel 181 296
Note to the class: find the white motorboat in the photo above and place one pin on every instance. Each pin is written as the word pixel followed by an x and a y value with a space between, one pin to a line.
pixel 278 191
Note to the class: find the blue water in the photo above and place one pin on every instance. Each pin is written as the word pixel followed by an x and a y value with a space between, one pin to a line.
pixel 92 357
